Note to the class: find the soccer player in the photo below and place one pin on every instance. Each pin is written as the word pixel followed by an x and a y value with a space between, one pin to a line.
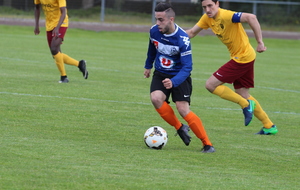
pixel 239 70
pixel 170 51
pixel 56 26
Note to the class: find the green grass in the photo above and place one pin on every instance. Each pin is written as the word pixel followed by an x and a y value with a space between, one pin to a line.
pixel 88 134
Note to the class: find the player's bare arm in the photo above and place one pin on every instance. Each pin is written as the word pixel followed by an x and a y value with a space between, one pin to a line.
pixel 63 11
pixel 193 31
pixel 37 13
pixel 255 26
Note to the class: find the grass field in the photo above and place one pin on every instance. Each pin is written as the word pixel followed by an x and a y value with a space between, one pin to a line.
pixel 88 134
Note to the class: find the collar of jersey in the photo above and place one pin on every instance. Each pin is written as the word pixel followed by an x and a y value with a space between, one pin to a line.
pixel 176 29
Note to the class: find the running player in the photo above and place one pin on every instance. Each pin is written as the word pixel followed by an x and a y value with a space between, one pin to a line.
pixel 170 51
pixel 56 26
pixel 240 69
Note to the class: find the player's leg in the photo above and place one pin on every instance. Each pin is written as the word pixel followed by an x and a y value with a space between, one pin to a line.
pixel 54 45
pixel 71 61
pixel 61 58
pixel 248 111
pixel 242 86
pixel 228 94
pixel 80 64
pixel 268 126
pixel 196 125
pixel 159 96
pixel 229 73
pixel 215 86
pixel 181 95
pixel 158 99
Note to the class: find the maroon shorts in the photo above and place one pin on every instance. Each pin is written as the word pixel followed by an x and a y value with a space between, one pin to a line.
pixel 62 32
pixel 240 74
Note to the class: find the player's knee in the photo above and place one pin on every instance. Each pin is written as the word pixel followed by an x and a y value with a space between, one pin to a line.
pixel 157 97
pixel 157 101
pixel 53 51
pixel 183 111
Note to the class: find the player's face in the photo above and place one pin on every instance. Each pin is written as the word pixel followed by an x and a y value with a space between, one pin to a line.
pixel 210 8
pixel 163 22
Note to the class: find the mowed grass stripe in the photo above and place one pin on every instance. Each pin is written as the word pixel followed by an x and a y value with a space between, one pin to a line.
pixel 88 134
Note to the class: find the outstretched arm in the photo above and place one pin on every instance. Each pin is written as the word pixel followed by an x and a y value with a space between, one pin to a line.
pixel 255 26
pixel 193 31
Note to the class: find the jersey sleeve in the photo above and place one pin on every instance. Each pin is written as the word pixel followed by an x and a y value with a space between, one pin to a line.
pixel 236 17
pixel 186 61
pixel 36 2
pixel 202 23
pixel 151 54
pixel 62 3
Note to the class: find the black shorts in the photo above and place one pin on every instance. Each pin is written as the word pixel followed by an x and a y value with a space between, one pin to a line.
pixel 182 92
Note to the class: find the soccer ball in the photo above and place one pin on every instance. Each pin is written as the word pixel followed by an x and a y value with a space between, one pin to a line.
pixel 156 137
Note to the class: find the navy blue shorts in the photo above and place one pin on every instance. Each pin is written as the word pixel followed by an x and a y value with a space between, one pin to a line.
pixel 182 92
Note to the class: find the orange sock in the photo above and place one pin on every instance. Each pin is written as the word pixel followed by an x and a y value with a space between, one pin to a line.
pixel 60 63
pixel 228 94
pixel 167 113
pixel 260 114
pixel 69 60
pixel 197 127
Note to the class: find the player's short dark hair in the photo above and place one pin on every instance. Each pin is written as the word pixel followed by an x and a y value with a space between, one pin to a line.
pixel 165 7
pixel 161 7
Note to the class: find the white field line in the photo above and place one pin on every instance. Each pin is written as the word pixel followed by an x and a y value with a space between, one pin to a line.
pixel 126 102
pixel 278 89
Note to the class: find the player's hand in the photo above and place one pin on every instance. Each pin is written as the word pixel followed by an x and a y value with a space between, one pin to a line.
pixel 36 31
pixel 261 47
pixel 147 73
pixel 167 83
pixel 55 32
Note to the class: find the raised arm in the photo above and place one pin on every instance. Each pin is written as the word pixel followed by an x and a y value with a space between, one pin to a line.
pixel 255 26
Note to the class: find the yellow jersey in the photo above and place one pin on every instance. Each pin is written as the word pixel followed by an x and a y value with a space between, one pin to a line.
pixel 232 34
pixel 52 12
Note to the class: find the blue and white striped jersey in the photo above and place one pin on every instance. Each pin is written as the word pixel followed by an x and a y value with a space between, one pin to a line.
pixel 170 53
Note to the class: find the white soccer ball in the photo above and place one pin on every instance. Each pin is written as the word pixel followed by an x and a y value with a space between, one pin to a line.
pixel 156 137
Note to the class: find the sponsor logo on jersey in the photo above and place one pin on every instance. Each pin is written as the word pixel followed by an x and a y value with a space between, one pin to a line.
pixel 166 62
pixel 166 49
